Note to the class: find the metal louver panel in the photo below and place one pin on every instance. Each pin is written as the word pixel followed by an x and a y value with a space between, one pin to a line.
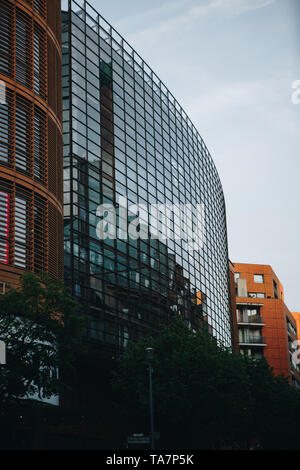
pixel 4 227
pixel 28 28
pixel 5 38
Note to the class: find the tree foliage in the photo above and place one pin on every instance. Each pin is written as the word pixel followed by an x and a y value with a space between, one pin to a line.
pixel 42 329
pixel 204 395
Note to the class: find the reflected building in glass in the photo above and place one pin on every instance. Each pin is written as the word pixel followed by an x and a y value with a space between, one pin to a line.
pixel 127 139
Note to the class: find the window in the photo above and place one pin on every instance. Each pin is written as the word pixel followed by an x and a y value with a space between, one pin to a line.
pixel 39 145
pixel 23 113
pixel 39 6
pixel 252 312
pixel 5 38
pixel 236 276
pixel 4 288
pixel 275 289
pixel 239 315
pixel 38 61
pixel 4 227
pixel 259 278
pixel 21 230
pixel 259 295
pixel 254 353
pixel 123 336
pixel 5 134
pixel 22 49
pixel 39 234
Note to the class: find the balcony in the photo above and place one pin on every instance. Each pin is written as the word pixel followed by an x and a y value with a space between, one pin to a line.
pixel 253 341
pixel 291 329
pixel 252 320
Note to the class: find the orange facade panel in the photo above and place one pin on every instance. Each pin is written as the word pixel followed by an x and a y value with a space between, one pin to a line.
pixel 296 316
pixel 271 286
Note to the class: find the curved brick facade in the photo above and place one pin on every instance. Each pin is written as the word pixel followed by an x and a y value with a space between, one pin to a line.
pixel 30 139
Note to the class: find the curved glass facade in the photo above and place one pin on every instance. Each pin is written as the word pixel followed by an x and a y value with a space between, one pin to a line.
pixel 127 142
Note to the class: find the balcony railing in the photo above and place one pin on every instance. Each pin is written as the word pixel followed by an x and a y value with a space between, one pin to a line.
pixel 250 320
pixel 252 340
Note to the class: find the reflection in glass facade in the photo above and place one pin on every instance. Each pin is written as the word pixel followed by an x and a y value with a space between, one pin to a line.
pixel 126 136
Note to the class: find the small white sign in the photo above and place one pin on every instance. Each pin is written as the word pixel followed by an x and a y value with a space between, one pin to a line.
pixel 138 440
pixel 2 353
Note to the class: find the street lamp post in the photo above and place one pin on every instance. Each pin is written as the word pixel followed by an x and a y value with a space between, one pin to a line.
pixel 149 359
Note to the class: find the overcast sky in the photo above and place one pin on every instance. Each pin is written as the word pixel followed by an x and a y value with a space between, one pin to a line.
pixel 231 65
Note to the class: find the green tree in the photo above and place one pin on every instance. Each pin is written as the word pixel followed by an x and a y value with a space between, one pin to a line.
pixel 276 407
pixel 205 396
pixel 42 328
pixel 200 388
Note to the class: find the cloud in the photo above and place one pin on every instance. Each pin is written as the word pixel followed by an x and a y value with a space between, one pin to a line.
pixel 146 16
pixel 239 7
pixel 221 102
pixel 266 99
pixel 186 16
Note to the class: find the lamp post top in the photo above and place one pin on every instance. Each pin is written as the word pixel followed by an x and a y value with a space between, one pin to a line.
pixel 149 354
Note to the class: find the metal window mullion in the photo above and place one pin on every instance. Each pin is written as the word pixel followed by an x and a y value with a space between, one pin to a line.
pixel 46 236
pixel 12 128
pixel 31 140
pixel 45 150
pixel 44 10
pixel 30 52
pixel 13 42
pixel 30 235
pixel 71 148
pixel 12 199
pixel 45 66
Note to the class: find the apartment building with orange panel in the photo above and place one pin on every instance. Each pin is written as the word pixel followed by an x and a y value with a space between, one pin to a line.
pixel 31 212
pixel 232 310
pixel 266 327
pixel 296 316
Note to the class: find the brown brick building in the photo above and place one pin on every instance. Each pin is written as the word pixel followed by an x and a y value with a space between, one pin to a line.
pixel 266 327
pixel 31 214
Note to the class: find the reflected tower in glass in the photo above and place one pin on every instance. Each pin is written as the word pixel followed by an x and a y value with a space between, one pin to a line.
pixel 128 142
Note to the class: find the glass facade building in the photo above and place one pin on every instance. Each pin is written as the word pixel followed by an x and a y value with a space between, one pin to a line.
pixel 128 142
